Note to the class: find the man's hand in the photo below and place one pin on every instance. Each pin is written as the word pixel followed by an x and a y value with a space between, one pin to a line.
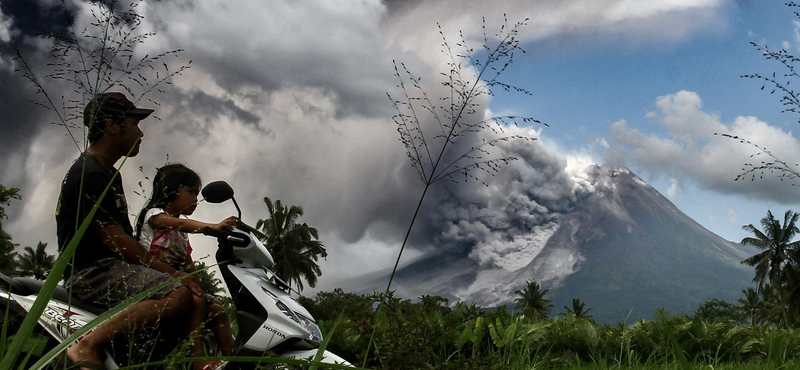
pixel 193 283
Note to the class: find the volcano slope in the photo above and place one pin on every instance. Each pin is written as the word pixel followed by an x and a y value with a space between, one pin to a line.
pixel 637 252
pixel 625 250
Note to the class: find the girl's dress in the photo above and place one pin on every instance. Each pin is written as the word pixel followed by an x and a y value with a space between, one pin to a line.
pixel 170 246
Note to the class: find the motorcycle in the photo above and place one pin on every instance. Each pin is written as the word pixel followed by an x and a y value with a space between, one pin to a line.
pixel 269 319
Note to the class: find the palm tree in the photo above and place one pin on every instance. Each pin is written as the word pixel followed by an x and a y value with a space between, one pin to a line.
pixel 772 309
pixel 774 263
pixel 208 280
pixel 751 303
pixel 35 263
pixel 579 309
pixel 295 247
pixel 531 299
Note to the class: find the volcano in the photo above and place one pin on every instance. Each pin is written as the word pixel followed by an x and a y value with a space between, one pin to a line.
pixel 625 250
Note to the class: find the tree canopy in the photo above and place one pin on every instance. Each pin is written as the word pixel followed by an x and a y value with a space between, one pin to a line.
pixel 8 263
pixel 532 301
pixel 295 247
pixel 35 263
pixel 778 261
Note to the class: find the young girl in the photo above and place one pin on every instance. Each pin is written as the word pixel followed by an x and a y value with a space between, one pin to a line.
pixel 163 232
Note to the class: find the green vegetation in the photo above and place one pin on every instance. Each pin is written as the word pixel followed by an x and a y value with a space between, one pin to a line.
pixel 578 309
pixel 779 262
pixel 432 334
pixel 532 301
pixel 8 264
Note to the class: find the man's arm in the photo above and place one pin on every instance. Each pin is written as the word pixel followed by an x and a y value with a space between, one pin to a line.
pixel 115 238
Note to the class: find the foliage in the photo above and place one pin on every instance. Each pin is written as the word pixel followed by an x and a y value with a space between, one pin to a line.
pixel 578 309
pixel 532 301
pixel 295 247
pixel 6 195
pixel 717 309
pixel 428 333
pixel 36 263
pixel 778 262
pixel 210 283
pixel 8 264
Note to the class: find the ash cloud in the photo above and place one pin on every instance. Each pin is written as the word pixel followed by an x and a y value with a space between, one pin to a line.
pixel 287 99
pixel 506 223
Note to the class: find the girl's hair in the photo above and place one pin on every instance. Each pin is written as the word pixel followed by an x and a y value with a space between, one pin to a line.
pixel 168 181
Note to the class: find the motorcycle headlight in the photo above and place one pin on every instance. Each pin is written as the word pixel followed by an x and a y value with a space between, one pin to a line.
pixel 311 327
pixel 316 334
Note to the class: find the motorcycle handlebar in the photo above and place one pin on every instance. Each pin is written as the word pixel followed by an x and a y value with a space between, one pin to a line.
pixel 222 234
pixel 215 233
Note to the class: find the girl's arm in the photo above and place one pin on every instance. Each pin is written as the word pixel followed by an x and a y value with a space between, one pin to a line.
pixel 164 221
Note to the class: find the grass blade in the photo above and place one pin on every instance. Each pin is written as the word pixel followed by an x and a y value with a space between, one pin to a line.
pixel 321 351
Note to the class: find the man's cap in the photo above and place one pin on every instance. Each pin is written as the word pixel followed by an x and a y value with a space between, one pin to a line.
pixel 113 106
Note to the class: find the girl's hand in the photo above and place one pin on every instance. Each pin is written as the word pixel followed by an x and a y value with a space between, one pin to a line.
pixel 226 224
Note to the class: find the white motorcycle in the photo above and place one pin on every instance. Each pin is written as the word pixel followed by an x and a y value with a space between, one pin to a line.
pixel 269 319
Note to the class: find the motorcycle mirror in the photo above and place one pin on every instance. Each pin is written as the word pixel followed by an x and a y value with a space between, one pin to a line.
pixel 217 192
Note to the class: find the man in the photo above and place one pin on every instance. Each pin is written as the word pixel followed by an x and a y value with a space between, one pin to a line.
pixel 109 264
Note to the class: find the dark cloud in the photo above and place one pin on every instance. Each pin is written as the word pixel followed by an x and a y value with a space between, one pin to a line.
pixel 211 107
pixel 20 119
pixel 284 50
pixel 31 17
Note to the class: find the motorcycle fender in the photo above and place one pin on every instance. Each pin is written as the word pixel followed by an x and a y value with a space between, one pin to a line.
pixel 278 327
pixel 327 356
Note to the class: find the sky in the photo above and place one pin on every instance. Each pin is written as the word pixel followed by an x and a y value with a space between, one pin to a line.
pixel 288 100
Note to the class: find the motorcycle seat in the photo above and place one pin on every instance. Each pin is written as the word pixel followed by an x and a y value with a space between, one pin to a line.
pixel 28 286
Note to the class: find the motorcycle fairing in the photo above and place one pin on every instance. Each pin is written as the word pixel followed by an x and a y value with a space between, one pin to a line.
pixel 278 326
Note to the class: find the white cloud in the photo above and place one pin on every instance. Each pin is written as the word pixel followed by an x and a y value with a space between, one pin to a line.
pixel 709 214
pixel 5 36
pixel 5 27
pixel 673 188
pixel 733 218
pixel 691 151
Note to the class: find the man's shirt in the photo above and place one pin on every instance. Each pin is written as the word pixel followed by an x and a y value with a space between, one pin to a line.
pixel 80 190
